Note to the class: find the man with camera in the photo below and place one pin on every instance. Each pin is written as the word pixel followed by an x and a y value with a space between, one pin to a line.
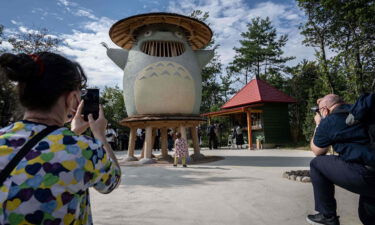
pixel 354 167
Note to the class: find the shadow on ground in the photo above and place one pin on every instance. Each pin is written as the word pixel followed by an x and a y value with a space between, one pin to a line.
pixel 174 177
pixel 264 161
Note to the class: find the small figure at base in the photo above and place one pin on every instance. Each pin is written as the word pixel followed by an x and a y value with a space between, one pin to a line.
pixel 181 150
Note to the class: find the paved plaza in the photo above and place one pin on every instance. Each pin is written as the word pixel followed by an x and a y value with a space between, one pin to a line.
pixel 245 188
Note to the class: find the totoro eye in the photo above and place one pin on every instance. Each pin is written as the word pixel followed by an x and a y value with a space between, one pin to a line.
pixel 178 34
pixel 148 33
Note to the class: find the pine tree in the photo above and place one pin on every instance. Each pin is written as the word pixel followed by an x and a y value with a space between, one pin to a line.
pixel 260 53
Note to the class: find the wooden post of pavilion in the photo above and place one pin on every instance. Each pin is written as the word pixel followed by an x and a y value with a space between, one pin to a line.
pixel 249 131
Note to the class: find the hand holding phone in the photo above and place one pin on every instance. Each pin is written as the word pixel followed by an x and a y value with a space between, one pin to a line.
pixel 98 126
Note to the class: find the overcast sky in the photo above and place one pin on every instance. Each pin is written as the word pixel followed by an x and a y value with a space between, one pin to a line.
pixel 84 24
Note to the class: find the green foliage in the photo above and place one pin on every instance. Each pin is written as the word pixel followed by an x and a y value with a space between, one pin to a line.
pixel 260 137
pixel 114 105
pixel 215 88
pixel 348 29
pixel 303 78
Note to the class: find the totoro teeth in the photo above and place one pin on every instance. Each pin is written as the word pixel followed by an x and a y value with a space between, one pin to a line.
pixel 142 78
pixel 150 68
pixel 159 64
pixel 171 65
pixel 181 69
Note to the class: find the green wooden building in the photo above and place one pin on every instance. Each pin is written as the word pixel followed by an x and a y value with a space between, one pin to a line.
pixel 262 110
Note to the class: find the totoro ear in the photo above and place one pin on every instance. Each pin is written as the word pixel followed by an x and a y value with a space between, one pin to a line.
pixel 118 56
pixel 204 56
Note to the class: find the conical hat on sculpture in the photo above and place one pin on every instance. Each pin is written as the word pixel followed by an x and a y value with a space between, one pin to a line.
pixel 122 32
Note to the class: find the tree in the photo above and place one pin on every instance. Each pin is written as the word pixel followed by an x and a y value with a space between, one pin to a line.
pixel 27 42
pixel 316 34
pixel 305 87
pixel 260 52
pixel 348 29
pixel 7 93
pixel 212 90
pixel 1 37
pixel 34 40
pixel 114 105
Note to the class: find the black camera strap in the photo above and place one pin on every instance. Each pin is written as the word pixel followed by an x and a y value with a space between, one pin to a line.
pixel 23 152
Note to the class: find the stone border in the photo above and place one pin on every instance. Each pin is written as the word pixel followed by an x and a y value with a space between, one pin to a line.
pixel 298 175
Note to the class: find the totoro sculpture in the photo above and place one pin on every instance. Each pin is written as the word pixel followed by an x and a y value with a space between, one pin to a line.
pixel 161 62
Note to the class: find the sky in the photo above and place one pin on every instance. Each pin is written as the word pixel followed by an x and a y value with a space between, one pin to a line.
pixel 84 24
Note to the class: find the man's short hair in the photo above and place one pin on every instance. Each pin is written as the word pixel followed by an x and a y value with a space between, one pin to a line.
pixel 331 100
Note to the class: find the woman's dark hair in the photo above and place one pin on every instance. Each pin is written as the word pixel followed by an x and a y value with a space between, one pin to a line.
pixel 42 77
pixel 178 134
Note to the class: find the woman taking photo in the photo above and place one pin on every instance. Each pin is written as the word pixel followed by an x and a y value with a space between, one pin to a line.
pixel 46 168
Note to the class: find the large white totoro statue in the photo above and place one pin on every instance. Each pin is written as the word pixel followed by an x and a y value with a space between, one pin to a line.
pixel 162 62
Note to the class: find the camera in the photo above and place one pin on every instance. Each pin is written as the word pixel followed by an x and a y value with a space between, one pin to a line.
pixel 315 109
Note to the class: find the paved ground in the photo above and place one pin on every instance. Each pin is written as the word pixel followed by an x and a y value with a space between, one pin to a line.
pixel 245 188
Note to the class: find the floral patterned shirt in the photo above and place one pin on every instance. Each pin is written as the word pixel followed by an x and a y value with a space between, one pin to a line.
pixel 50 184
pixel 181 148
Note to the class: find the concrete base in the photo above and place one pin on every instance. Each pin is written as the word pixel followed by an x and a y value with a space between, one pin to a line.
pixel 147 161
pixel 129 159
pixel 197 157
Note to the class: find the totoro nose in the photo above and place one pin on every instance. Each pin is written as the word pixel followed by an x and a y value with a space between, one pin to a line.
pixel 163 48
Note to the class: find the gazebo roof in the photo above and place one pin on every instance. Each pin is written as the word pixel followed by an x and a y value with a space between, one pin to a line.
pixel 257 91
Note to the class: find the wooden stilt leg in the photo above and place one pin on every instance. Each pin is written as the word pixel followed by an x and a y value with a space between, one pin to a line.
pixel 131 145
pixel 183 132
pixel 194 134
pixel 197 152
pixel 153 140
pixel 148 143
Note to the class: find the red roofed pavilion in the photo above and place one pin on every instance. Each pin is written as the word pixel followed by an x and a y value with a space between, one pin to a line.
pixel 257 91
pixel 264 111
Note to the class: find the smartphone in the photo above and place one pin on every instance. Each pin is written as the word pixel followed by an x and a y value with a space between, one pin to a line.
pixel 91 103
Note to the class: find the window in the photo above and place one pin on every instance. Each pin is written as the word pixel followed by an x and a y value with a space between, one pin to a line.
pixel 256 121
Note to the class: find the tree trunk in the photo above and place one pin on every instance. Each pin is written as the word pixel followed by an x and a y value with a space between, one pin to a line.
pixel 325 64
pixel 358 70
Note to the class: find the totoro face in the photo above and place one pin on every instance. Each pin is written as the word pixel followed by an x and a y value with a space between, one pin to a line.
pixel 161 40
pixel 163 84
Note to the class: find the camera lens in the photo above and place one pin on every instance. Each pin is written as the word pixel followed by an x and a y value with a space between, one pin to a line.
pixel 315 109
